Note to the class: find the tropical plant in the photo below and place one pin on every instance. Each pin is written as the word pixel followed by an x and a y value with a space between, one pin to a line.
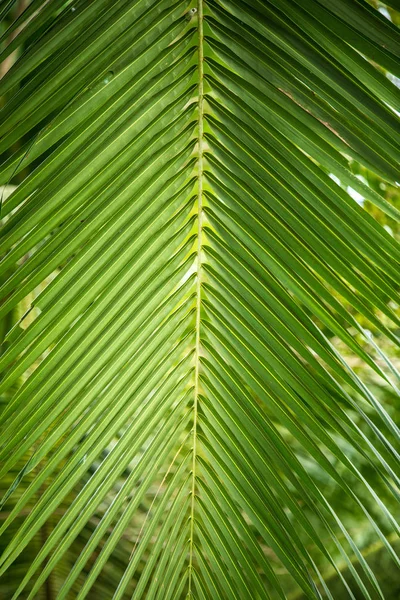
pixel 199 323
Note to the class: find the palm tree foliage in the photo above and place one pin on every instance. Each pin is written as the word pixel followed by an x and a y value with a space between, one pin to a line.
pixel 184 278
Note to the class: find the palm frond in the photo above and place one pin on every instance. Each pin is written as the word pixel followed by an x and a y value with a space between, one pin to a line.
pixel 186 283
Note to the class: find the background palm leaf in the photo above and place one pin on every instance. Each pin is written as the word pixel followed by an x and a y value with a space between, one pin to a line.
pixel 198 319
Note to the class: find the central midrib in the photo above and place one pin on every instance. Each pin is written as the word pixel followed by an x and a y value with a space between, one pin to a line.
pixel 198 279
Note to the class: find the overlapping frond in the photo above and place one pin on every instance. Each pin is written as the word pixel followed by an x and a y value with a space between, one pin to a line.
pixel 182 262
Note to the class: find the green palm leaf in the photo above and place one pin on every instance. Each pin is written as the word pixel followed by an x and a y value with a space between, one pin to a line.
pixel 191 392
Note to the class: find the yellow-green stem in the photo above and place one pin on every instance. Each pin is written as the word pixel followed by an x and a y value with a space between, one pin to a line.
pixel 198 278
